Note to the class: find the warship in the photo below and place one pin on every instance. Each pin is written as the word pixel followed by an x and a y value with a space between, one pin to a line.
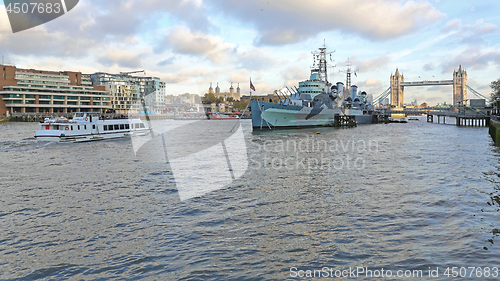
pixel 315 103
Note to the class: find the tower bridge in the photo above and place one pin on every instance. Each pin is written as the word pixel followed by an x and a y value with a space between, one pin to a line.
pixel 459 83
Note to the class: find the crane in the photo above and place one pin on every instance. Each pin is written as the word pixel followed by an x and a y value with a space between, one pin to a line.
pixel 130 72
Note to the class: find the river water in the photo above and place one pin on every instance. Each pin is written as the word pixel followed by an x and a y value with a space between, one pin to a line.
pixel 399 197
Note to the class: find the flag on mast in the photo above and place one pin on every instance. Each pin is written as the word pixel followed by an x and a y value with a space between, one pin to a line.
pixel 251 85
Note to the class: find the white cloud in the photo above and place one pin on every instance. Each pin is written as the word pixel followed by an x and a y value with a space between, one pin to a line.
pixel 182 75
pixel 293 75
pixel 370 64
pixel 241 76
pixel 371 86
pixel 256 59
pixel 372 82
pixel 122 58
pixel 185 41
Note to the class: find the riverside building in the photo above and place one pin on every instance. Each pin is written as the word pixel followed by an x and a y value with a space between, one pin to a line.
pixel 37 91
pixel 126 91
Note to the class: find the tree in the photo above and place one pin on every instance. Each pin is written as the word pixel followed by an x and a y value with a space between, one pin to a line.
pixel 240 105
pixel 495 86
pixel 209 97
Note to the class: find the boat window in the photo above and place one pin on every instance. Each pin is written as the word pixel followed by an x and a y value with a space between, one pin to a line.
pixel 122 126
pixel 71 128
pixel 78 127
pixel 105 127
pixel 93 127
pixel 117 127
pixel 127 126
pixel 142 125
pixel 85 127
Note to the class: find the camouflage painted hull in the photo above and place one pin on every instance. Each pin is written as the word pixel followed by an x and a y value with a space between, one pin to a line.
pixel 360 117
pixel 267 115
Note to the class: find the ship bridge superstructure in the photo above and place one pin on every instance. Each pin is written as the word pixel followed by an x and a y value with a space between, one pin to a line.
pixel 318 81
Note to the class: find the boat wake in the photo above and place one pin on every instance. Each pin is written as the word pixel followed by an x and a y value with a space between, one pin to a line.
pixel 23 145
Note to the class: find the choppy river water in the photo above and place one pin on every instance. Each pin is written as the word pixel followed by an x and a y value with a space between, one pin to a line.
pixel 404 198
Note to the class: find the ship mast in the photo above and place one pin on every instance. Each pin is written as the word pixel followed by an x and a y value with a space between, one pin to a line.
pixel 321 56
pixel 348 78
pixel 348 72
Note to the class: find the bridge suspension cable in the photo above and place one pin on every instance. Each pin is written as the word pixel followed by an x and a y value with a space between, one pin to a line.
pixel 478 94
pixel 382 96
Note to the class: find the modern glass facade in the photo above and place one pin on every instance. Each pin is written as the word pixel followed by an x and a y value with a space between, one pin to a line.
pixel 36 91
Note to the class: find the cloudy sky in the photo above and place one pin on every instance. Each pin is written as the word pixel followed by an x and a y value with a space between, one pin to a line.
pixel 190 43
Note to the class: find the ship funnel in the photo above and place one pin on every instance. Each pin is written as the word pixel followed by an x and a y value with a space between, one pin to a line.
pixel 354 91
pixel 340 89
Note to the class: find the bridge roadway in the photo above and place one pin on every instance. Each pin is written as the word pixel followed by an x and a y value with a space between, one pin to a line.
pixel 427 83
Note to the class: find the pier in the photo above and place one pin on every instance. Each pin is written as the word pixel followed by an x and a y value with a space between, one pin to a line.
pixel 464 117
pixel 344 121
pixel 462 120
pixel 380 117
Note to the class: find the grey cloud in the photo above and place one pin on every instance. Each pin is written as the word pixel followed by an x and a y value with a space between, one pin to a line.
pixel 166 62
pixel 470 34
pixel 288 21
pixel 92 23
pixel 429 66
pixel 472 58
pixel 40 43
pixel 125 18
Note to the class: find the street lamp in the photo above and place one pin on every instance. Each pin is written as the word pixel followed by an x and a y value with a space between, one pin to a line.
pixel 497 103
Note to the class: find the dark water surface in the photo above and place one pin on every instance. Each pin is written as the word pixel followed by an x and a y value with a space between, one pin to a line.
pixel 394 196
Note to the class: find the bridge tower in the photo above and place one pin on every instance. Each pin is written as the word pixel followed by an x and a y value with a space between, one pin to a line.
pixel 459 86
pixel 397 94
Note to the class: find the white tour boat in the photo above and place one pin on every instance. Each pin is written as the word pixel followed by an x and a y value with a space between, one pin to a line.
pixel 88 126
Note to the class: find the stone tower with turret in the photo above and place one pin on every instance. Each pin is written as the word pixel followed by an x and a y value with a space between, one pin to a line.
pixel 459 86
pixel 397 94
pixel 210 90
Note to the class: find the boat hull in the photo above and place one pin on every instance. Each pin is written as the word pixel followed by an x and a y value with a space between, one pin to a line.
pixel 83 130
pixel 267 115
pixel 87 138
pixel 361 118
